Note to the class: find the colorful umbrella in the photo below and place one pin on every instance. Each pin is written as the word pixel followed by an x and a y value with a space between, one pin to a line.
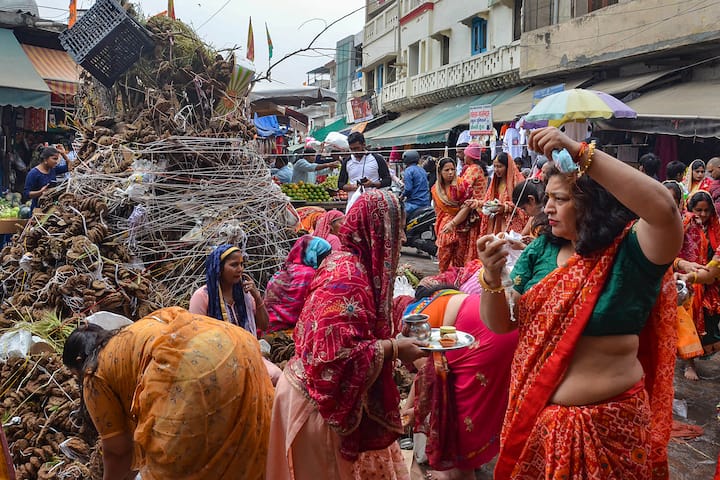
pixel 578 104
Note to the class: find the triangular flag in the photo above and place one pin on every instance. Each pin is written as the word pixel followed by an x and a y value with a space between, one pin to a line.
pixel 270 45
pixel 250 43
pixel 73 13
pixel 171 9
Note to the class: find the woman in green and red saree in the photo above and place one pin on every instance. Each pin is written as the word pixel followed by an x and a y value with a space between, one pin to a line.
pixel 595 305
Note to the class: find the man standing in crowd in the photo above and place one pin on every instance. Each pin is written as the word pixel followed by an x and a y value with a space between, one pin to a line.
pixel 283 172
pixel 305 167
pixel 362 168
pixel 417 191
pixel 650 165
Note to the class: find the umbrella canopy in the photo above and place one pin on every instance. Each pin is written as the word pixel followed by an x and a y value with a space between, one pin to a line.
pixel 579 104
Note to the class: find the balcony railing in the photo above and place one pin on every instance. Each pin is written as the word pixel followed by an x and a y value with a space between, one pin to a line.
pixel 504 60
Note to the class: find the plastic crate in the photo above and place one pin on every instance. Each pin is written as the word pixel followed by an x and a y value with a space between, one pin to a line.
pixel 106 41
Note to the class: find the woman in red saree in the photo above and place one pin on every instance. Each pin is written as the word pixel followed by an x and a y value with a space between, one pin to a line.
pixel 328 226
pixel 591 383
pixel 461 396
pixel 474 180
pixel 336 411
pixel 700 245
pixel 449 195
pixel 505 177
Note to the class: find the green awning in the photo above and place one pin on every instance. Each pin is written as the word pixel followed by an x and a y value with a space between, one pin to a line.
pixel 433 125
pixel 20 84
pixel 336 126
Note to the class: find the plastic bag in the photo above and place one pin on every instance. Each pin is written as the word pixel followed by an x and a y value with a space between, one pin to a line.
pixel 403 287
pixel 354 198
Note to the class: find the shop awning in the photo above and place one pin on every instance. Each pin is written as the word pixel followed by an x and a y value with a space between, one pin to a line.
pixel 338 125
pixel 520 104
pixel 690 109
pixel 433 125
pixel 616 86
pixel 381 130
pixel 58 70
pixel 20 84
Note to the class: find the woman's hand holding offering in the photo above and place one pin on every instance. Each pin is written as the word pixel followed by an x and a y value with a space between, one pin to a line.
pixel 409 350
pixel 547 139
pixel 493 255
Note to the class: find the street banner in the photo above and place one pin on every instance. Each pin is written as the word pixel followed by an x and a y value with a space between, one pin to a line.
pixel 545 92
pixel 481 120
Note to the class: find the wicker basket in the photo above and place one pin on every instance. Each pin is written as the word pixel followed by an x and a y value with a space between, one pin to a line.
pixel 106 41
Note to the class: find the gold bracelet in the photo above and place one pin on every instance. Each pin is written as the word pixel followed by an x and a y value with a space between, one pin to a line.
pixel 588 161
pixel 694 280
pixel 713 264
pixel 395 350
pixel 485 286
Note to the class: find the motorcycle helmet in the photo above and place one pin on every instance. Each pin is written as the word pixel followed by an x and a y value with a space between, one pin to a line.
pixel 410 156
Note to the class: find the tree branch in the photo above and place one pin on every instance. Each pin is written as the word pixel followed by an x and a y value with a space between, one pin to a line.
pixel 266 75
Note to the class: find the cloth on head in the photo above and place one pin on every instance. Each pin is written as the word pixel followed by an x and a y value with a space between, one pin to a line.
pixel 153 376
pixel 288 289
pixel 308 218
pixel 339 362
pixel 473 151
pixel 324 225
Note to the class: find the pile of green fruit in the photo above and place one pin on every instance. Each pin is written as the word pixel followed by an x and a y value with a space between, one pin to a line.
pixel 306 191
pixel 11 206
pixel 331 182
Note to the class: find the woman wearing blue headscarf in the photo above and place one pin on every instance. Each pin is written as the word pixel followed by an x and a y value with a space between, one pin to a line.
pixel 229 294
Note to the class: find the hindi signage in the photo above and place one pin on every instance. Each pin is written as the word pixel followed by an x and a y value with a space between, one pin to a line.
pixel 481 120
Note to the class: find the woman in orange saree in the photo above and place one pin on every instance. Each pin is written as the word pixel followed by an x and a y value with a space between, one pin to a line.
pixel 449 195
pixel 505 177
pixel 594 303
pixel 175 395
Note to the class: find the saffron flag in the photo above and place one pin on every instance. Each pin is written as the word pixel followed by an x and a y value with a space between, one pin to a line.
pixel 250 43
pixel 171 9
pixel 270 45
pixel 73 14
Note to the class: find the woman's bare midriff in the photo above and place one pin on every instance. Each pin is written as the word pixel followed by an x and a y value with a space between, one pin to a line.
pixel 601 368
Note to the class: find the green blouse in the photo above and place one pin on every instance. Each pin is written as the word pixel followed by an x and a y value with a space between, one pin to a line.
pixel 627 297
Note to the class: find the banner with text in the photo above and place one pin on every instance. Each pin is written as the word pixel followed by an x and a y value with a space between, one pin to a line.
pixel 481 120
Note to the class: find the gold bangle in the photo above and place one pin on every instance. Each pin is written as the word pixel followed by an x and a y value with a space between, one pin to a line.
pixel 485 286
pixel 588 161
pixel 395 350
pixel 713 263
pixel 694 280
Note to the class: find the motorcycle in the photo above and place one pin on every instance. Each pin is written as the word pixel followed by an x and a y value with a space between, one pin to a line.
pixel 420 230
pixel 419 226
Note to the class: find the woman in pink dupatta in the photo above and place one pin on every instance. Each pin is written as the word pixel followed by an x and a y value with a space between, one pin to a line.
pixel 328 226
pixel 336 409
pixel 288 289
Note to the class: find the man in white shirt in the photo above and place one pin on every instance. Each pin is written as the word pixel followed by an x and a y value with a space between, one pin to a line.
pixel 363 168
pixel 305 167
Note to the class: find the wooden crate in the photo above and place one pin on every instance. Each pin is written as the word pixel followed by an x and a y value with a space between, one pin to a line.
pixel 11 225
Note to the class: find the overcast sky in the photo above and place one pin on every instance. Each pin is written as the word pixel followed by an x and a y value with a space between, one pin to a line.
pixel 224 24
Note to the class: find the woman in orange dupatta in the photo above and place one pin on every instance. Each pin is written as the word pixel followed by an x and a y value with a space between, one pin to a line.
pixel 175 395
pixel 701 245
pixel 505 177
pixel 591 383
pixel 449 195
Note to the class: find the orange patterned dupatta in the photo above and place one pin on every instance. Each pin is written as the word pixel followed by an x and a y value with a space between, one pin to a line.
pixel 551 317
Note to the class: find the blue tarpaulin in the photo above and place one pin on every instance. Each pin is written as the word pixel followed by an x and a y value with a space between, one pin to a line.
pixel 267 126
